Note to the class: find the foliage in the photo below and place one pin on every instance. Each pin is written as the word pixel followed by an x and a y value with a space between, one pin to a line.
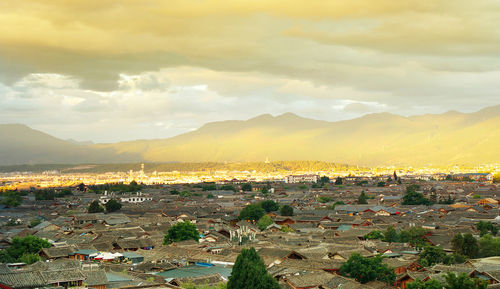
pixel 247 187
pixel 489 246
pixel 209 187
pixel 302 187
pixel 228 187
pixel 286 229
pixel 249 272
pixel 365 270
pixel 390 235
pixel 413 236
pixel 263 222
pixel 362 199
pixel 180 232
pixel 22 246
pixel 374 235
pixel 191 285
pixel 419 284
pixel 476 196
pixel 113 206
pixel 412 197
pixel 210 196
pixel 51 194
pixel 184 194
pixel 12 222
pixel 486 228
pixel 116 187
pixel 431 255
pixel 35 222
pixel 463 281
pixel 286 210
pixel 252 212
pixel 11 199
pixel 339 181
pixel 465 244
pixel 324 180
pixel 324 199
pixel 94 207
pixel 269 205
pixel 382 184
pixel 29 258
pixel 447 201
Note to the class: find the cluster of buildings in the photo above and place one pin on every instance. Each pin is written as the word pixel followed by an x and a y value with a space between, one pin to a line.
pixel 305 250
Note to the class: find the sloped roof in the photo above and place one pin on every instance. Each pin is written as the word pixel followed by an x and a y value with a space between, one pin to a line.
pixel 23 279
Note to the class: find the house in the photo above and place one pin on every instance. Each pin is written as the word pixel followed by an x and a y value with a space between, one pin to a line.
pixel 85 254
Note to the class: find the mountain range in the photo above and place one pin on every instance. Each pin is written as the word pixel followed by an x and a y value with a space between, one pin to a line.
pixel 374 139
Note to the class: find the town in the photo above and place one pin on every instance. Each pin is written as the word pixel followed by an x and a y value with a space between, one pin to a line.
pixel 372 228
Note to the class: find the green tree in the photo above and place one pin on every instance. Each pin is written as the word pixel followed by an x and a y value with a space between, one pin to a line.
pixel 210 196
pixel 249 272
pixel 489 246
pixel 339 181
pixel 324 199
pixel 29 258
pixel 324 180
pixel 247 187
pixel 252 212
pixel 11 199
pixel 228 187
pixel 413 197
pixel 381 184
pixel 390 235
pixel 180 232
pixel 362 199
pixel 465 244
pixel 419 284
pixel 365 270
pixel 263 222
pixel 414 236
pixel 95 207
pixel 286 210
pixel 374 235
pixel 432 255
pixel 113 206
pixel 35 222
pixel 463 281
pixel 486 228
pixel 22 246
pixel 269 205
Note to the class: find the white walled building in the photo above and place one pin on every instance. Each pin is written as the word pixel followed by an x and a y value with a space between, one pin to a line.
pixel 292 179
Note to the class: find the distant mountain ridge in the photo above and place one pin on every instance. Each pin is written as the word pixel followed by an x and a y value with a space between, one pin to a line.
pixel 374 139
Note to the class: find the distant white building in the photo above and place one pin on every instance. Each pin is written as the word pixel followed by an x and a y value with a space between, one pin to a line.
pixel 293 179
pixel 138 198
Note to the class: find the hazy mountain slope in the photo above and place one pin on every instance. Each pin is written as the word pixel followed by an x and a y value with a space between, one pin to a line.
pixel 449 138
pixel 22 145
pixel 375 139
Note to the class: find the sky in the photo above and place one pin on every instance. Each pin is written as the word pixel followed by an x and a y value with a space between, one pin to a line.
pixel 111 70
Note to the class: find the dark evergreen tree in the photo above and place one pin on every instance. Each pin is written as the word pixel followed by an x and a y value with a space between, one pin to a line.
pixel 112 206
pixel 286 210
pixel 95 207
pixel 362 199
pixel 249 272
pixel 365 270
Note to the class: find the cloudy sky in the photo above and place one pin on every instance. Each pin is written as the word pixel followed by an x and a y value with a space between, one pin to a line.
pixel 108 70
